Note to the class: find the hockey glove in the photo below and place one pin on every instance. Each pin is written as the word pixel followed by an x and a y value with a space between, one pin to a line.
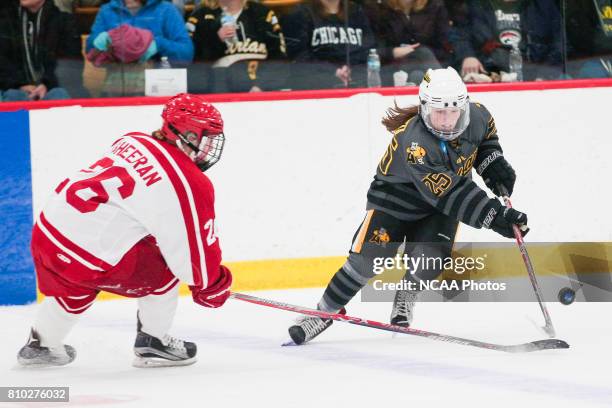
pixel 495 170
pixel 506 218
pixel 216 294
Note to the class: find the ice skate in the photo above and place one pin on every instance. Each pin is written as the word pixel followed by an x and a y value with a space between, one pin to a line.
pixel 403 308
pixel 165 352
pixel 307 328
pixel 34 355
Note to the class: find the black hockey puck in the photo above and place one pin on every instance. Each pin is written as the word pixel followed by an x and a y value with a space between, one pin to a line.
pixel 567 296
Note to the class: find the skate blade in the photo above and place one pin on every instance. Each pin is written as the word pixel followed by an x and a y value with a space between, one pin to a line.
pixel 42 363
pixel 151 362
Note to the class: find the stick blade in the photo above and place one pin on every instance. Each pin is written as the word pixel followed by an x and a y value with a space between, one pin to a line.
pixel 548 344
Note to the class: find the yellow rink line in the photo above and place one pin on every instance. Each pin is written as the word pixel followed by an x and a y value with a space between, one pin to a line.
pixel 275 274
pixel 500 262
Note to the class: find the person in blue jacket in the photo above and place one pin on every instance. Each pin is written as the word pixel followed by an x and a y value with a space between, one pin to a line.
pixel 160 17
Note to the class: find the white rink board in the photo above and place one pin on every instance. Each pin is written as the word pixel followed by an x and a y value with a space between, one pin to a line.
pixel 293 178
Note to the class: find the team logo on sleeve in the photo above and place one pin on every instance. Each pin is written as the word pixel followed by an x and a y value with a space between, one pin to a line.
pixel 415 154
pixel 380 237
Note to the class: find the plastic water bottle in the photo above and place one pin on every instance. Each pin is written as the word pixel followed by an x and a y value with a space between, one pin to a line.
pixel 515 63
pixel 373 69
pixel 164 63
pixel 228 20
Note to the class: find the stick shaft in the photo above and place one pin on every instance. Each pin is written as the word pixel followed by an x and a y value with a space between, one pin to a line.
pixel 530 271
pixel 533 346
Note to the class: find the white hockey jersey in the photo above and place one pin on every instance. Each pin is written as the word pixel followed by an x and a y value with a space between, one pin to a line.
pixel 140 187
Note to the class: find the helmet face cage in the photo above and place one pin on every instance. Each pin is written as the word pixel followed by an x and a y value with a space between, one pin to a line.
pixel 205 148
pixel 445 105
pixel 209 151
pixel 463 120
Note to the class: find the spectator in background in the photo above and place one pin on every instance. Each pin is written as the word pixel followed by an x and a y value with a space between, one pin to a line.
pixel 247 46
pixel 67 6
pixel 180 4
pixel 33 35
pixel 412 34
pixel 483 41
pixel 325 54
pixel 161 19
pixel 589 36
pixel 157 16
pixel 127 58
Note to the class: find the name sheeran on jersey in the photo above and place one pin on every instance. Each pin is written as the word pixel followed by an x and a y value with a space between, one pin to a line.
pixel 336 35
pixel 131 155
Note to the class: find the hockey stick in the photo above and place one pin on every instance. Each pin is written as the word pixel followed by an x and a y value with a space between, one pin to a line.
pixel 548 328
pixel 517 348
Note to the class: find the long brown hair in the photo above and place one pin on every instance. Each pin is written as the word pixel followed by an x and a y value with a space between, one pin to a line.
pixel 396 116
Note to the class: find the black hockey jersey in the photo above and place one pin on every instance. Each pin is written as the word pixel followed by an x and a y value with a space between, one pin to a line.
pixel 420 174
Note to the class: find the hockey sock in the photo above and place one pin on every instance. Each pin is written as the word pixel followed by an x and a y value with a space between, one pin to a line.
pixel 53 323
pixel 156 312
pixel 340 290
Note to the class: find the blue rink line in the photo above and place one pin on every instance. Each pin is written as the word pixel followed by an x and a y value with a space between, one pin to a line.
pixel 17 278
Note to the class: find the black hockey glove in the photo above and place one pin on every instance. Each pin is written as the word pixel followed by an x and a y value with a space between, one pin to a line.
pixel 494 170
pixel 506 218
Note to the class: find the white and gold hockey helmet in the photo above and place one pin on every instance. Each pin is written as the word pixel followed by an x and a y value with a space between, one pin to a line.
pixel 444 103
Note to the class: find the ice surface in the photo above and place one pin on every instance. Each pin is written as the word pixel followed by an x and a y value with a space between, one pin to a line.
pixel 241 363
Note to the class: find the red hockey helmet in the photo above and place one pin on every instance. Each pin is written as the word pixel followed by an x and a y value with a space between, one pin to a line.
pixel 197 128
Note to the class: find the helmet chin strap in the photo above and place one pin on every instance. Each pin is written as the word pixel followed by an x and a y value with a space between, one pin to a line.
pixel 183 138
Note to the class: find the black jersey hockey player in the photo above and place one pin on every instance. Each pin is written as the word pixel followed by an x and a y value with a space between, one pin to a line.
pixel 422 189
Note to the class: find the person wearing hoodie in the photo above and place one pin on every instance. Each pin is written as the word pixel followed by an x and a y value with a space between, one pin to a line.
pixel 327 51
pixel 492 28
pixel 34 34
pixel 412 35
